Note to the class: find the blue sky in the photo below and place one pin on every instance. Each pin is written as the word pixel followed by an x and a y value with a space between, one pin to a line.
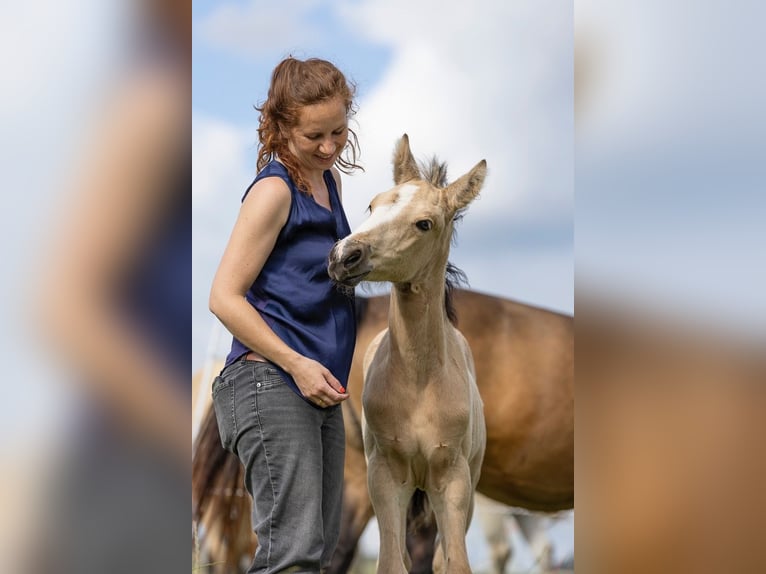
pixel 230 76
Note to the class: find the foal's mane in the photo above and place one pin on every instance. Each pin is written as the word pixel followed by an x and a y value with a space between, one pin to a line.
pixel 435 172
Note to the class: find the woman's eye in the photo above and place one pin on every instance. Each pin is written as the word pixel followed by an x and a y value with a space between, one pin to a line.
pixel 424 225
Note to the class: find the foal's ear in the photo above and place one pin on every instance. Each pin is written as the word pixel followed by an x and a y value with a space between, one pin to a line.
pixel 405 167
pixel 464 190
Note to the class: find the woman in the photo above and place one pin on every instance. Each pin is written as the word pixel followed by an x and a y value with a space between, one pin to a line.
pixel 277 398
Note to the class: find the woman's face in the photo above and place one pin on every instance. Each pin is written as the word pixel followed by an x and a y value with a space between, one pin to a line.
pixel 320 136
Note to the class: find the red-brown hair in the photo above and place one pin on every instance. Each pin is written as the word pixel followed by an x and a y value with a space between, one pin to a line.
pixel 295 84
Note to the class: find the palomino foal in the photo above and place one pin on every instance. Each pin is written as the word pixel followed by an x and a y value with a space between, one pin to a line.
pixel 422 415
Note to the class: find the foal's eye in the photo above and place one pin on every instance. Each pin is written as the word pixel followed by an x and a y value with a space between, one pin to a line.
pixel 369 208
pixel 424 224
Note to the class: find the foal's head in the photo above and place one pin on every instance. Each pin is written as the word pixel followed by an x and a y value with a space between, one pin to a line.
pixel 407 237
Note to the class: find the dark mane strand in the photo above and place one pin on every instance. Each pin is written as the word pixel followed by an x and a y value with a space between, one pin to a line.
pixel 454 278
pixel 434 172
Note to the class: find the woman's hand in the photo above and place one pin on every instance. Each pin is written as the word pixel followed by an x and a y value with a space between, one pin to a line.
pixel 317 383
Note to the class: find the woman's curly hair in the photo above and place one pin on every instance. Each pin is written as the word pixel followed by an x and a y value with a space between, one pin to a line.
pixel 295 84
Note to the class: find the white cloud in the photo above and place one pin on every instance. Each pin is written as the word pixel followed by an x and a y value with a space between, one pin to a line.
pixel 478 80
pixel 484 80
pixel 219 158
pixel 658 67
pixel 223 159
pixel 261 29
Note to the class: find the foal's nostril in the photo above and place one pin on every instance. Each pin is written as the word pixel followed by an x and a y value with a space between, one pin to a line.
pixel 352 258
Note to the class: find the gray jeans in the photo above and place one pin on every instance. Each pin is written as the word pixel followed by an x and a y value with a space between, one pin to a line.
pixel 293 457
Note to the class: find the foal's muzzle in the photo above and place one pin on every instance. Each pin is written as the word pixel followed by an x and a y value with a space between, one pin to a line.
pixel 349 262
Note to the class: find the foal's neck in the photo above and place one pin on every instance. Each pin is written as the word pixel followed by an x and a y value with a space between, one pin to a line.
pixel 418 324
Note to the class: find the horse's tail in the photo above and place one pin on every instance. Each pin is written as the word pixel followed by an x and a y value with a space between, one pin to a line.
pixel 220 507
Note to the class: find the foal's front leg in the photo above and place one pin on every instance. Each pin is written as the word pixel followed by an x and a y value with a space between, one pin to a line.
pixel 390 497
pixel 451 497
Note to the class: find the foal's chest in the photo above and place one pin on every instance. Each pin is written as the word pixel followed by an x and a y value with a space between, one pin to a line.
pixel 412 419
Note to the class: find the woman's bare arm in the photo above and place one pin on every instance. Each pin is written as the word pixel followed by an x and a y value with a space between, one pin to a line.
pixel 262 215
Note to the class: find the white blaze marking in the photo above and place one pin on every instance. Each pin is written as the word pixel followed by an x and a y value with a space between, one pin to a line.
pixel 389 212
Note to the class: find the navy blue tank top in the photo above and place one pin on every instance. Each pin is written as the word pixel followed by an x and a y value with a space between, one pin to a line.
pixel 293 292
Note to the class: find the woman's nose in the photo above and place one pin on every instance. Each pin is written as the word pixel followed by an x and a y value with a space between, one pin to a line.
pixel 327 147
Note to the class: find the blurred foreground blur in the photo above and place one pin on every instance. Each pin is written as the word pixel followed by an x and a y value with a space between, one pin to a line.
pixel 670 308
pixel 94 459
pixel 669 444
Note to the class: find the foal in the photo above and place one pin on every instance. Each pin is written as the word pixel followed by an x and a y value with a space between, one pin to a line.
pixel 423 417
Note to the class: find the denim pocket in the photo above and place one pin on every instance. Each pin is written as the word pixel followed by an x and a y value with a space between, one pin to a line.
pixel 223 404
pixel 266 376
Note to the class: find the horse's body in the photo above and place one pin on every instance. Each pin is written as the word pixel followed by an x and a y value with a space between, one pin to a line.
pixel 423 419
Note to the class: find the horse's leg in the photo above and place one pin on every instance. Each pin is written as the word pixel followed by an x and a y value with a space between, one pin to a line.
pixel 532 526
pixel 421 535
pixel 452 500
pixel 493 523
pixel 390 497
pixel 355 514
pixel 438 565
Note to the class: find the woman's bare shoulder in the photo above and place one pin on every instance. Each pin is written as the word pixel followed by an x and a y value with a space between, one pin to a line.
pixel 269 194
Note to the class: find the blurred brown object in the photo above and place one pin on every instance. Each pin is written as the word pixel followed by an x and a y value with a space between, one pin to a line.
pixel 202 381
pixel 670 469
pixel 111 304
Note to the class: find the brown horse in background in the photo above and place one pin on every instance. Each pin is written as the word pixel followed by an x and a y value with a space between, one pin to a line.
pixel 524 358
pixel 524 369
